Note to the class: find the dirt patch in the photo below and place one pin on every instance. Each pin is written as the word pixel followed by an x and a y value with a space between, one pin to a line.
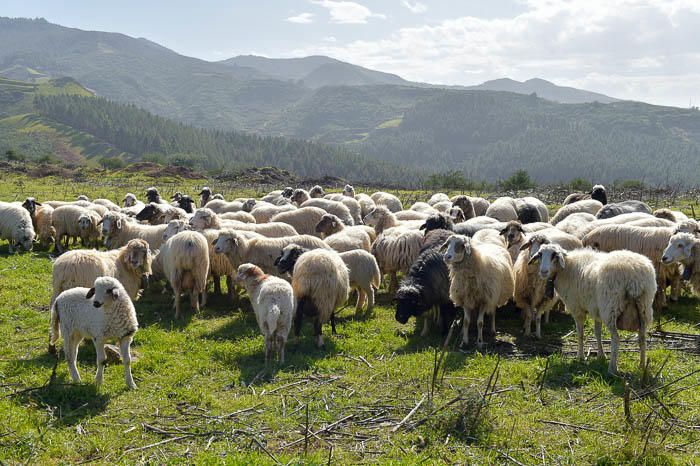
pixel 155 170
pixel 260 176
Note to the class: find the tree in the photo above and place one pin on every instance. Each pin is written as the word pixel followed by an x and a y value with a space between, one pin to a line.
pixel 519 180
pixel 580 184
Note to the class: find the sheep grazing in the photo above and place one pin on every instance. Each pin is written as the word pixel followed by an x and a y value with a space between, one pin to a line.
pixel 684 248
pixel 303 220
pixel 387 200
pixel 16 226
pixel 262 252
pixel 204 218
pixel 316 192
pixel 321 284
pixel 616 289
pixel 425 286
pixel 118 230
pixel 131 265
pixel 44 226
pixel 273 303
pixel 465 205
pixel 342 238
pixel 481 280
pixel 590 206
pixel 152 195
pixel 598 193
pixel 624 207
pixel 365 277
pixel 184 259
pixel 160 214
pixel 100 313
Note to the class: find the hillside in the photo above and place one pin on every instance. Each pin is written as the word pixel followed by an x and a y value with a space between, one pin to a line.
pixel 544 89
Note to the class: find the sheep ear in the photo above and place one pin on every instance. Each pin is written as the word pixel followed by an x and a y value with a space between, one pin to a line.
pixel 503 231
pixel 37 203
pixel 423 227
pixel 115 293
pixel 90 293
pixel 334 224
pixel 526 245
pixel 443 248
pixel 535 258
pixel 560 259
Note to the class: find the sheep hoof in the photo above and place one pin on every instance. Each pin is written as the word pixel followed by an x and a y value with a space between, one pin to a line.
pixel 52 349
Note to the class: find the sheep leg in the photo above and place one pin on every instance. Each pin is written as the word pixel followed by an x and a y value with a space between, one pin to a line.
pixel 493 323
pixel 370 300
pixel 125 350
pixel 194 300
pixel 358 305
pixel 176 291
pixel 298 317
pixel 465 327
pixel 318 332
pixel 230 293
pixel 101 360
pixel 333 324
pixel 579 333
pixel 70 347
pixel 393 283
pixel 675 288
pixel 527 316
pixel 426 326
pixel 538 324
pixel 269 345
pixel 280 347
pixel 480 329
pixel 642 338
pixel 217 284
pixel 614 343
pixel 546 316
pixel 598 329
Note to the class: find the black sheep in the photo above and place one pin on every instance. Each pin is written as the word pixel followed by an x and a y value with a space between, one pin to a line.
pixel 426 285
pixel 444 222
pixel 528 213
pixel 153 196
pixel 185 203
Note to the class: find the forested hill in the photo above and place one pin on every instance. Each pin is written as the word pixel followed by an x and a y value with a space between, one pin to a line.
pixel 488 135
pixel 141 134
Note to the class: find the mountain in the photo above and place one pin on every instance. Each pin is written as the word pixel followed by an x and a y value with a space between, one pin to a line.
pixel 544 89
pixel 315 71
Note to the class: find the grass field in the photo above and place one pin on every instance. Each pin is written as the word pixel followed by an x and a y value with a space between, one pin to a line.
pixel 205 395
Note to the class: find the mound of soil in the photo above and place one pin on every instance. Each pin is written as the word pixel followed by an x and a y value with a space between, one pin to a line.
pixel 155 170
pixel 260 176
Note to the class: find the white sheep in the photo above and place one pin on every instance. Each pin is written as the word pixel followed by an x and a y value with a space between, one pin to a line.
pixel 481 280
pixel 382 219
pixel 387 200
pixel 220 206
pixel 16 226
pixel 365 277
pixel 437 198
pixel 260 251
pixel 108 204
pixel 241 216
pixel 263 213
pixel 616 289
pixel 303 220
pixel 684 248
pixel 184 259
pixel 117 230
pixel 574 223
pixel 342 238
pixel 100 313
pixel 366 203
pixel 273 303
pixel 204 218
pixel 44 227
pixel 671 215
pixel 588 206
pixel 503 209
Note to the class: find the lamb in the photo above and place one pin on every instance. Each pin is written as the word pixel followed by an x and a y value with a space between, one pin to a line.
pixel 44 226
pixel 205 218
pixel 481 280
pixel 338 236
pixel 99 313
pixel 597 193
pixel 66 220
pixel 387 200
pixel 464 203
pixel 624 207
pixel 616 289
pixel 241 216
pixel 260 251
pixel 365 277
pixel 273 303
pixel 381 218
pixel 16 226
pixel 437 198
pixel 321 284
pixel 131 265
pixel 425 286
pixel 303 220
pixel 671 215
pixel 184 259
pixel 590 206
pixel 117 231
pixel 395 251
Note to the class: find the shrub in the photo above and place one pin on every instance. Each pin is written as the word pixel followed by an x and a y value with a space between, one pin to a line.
pixel 519 180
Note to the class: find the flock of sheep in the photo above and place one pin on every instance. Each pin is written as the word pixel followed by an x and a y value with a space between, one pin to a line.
pixel 299 253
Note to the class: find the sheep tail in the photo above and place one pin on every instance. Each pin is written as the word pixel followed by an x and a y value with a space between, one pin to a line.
pixel 54 329
pixel 377 280
pixel 272 318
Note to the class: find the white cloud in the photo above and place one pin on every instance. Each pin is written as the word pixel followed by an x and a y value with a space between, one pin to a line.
pixel 343 12
pixel 632 49
pixel 303 18
pixel 330 39
pixel 415 7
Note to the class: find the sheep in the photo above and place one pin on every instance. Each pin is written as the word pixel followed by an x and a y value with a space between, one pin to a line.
pixel 117 230
pixel 273 303
pixel 502 209
pixel 205 195
pixel 66 221
pixel 651 222
pixel 349 191
pixel 44 227
pixel 263 213
pixel 302 199
pixel 443 207
pixel 481 280
pixel 517 235
pixel 241 216
pixel 130 200
pixel 152 195
pixel 531 210
pixel 445 222
pixel 434 239
pixel 131 265
pixel 354 207
pixel 316 192
pixel 395 251
pixel 83 197
pixel 31 205
pixel 598 193
pixel 411 215
pixel 582 226
pixel 616 289
pixel 437 198
pixel 671 215
pixel 590 206
pixel 239 249
pixel 16 226
pixel 479 204
pixel 342 238
pixel 422 207
pixel 99 313
pixel 89 226
pixel 624 207
pixel 684 248
pixel 457 214
pixel 366 204
pixel 304 219
pixel 221 206
pixel 381 218
pixel 465 204
pixel 365 277
pixel 321 284
pixel 184 259
pixel 205 218
pixel 107 203
pixel 387 200
pixel 278 194
pixel 425 286
pixel 56 204
pixel 575 222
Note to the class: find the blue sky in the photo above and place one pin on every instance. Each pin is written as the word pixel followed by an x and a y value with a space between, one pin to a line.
pixel 636 49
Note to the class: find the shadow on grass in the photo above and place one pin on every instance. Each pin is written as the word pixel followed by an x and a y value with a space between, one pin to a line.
pixel 684 311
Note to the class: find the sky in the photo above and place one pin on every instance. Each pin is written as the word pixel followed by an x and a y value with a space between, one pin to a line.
pixel 646 50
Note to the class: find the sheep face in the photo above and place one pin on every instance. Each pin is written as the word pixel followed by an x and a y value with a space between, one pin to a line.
pixel 299 196
pixel 513 232
pixel 152 195
pixel 186 203
pixel 287 192
pixel 23 235
pixel 138 255
pixel 129 200
pixel 30 204
pixel 534 244
pixel 679 249
pixel 436 222
pixel 456 249
pixel 599 194
pixel 457 214
pixel 409 302
pixel 551 258
pixel 349 191
pixel 148 213
pixel 85 222
pixel 464 203
pixel 248 205
pixel 316 191
pixel 174 227
pixel 110 224
pixel 328 225
pixel 176 197
pixel 104 291
pixel 202 219
pixel 83 197
pixel 226 243
pixel 248 273
pixel 288 258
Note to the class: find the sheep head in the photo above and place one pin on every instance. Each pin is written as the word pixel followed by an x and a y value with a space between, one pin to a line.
pixel 288 258
pixel 438 222
pixel 409 302
pixel 174 227
pixel 104 290
pixel 317 191
pixel 349 190
pixel 456 249
pixel 680 249
pixel 299 196
pixel 152 195
pixel 329 224
pixel 551 258
pixel 30 204
pixel 249 274
pixel 129 200
pixel 204 218
pixel 513 232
